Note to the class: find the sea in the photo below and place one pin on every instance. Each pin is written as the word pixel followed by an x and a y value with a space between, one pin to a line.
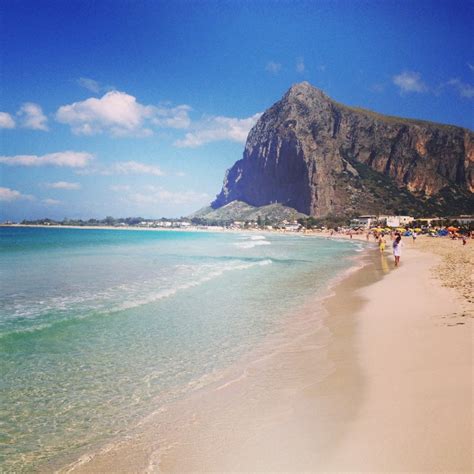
pixel 99 327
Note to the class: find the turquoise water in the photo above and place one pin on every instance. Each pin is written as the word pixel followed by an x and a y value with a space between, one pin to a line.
pixel 98 327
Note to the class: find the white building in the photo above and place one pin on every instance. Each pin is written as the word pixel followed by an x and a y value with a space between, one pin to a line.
pixel 292 227
pixel 364 221
pixel 463 219
pixel 399 221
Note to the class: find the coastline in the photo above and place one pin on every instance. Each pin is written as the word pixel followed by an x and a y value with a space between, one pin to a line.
pixel 385 384
pixel 413 342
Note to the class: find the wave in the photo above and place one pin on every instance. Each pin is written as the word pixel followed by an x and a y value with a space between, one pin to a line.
pixel 104 302
pixel 172 291
pixel 251 244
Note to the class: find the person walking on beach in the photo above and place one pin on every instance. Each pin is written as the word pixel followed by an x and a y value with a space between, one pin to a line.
pixel 382 244
pixel 397 249
pixel 414 235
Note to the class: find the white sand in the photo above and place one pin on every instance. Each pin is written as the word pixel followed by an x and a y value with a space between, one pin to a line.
pixel 415 349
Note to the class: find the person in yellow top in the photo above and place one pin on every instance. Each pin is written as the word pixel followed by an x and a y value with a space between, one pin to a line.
pixel 381 243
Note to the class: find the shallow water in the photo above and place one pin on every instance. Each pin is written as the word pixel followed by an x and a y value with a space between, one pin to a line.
pixel 100 327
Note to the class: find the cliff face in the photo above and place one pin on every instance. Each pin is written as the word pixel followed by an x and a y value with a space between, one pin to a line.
pixel 320 157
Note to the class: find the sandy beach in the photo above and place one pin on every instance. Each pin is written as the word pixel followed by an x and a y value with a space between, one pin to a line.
pixel 384 385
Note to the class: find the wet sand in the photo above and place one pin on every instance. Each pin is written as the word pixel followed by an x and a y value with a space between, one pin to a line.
pixel 382 383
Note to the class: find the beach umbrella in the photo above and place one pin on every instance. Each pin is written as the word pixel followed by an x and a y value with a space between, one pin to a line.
pixel 417 229
pixel 452 229
pixel 400 229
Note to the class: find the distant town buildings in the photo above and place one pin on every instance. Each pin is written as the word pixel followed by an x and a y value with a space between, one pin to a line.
pixel 388 221
pixel 360 222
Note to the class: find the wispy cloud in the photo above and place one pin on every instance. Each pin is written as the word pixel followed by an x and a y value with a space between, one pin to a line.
pixel 174 117
pixel 463 89
pixel 6 120
pixel 163 196
pixel 9 195
pixel 300 66
pixel 151 194
pixel 409 81
pixel 119 187
pixel 273 67
pixel 71 159
pixel 130 167
pixel 50 202
pixel 63 185
pixel 470 66
pixel 120 114
pixel 31 116
pixel 135 167
pixel 211 129
pixel 89 84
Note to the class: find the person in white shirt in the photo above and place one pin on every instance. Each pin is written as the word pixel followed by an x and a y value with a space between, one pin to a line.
pixel 397 249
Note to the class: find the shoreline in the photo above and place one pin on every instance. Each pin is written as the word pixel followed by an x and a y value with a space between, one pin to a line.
pixel 117 455
pixel 416 353
pixel 399 397
pixel 360 393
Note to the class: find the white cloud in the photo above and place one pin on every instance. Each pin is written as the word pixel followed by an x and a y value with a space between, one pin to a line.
pixel 409 82
pixel 71 159
pixel 89 84
pixel 135 167
pixel 211 129
pixel 9 195
pixel 273 67
pixel 464 90
pixel 63 185
pixel 300 66
pixel 175 117
pixel 159 195
pixel 116 113
pixel 119 114
pixel 31 116
pixel 51 202
pixel 123 167
pixel 6 120
pixel 151 194
pixel 470 66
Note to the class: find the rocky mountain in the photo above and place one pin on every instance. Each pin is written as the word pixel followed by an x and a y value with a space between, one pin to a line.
pixel 320 157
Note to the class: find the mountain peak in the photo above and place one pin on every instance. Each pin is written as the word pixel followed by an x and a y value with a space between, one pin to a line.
pixel 305 90
pixel 321 157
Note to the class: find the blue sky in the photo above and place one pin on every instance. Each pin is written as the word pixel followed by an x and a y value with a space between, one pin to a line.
pixel 130 108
